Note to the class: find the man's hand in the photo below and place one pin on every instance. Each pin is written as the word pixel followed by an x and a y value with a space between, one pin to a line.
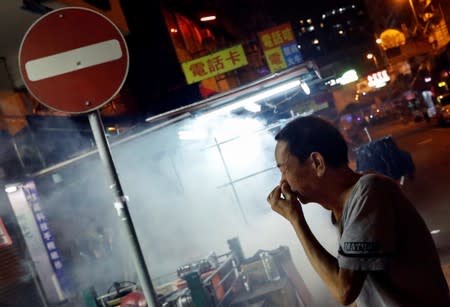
pixel 344 284
pixel 284 201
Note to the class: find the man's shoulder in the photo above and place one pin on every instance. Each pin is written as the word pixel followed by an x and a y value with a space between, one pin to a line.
pixel 372 190
pixel 373 180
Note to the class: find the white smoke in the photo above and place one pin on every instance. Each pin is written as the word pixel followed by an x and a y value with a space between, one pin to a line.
pixel 189 193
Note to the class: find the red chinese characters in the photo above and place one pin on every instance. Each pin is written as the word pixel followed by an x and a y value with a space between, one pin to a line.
pixel 276 36
pixel 198 69
pixel 275 59
pixel 215 64
pixel 233 57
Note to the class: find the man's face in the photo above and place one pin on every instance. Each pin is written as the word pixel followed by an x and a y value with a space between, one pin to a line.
pixel 300 176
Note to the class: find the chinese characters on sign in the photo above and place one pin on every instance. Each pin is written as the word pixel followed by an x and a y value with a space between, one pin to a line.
pixel 275 59
pixel 214 64
pixel 291 54
pixel 280 47
pixel 43 226
pixel 39 241
pixel 276 36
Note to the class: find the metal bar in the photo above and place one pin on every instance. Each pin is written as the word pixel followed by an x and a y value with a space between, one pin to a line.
pixel 248 176
pixel 413 9
pixel 19 155
pixel 224 255
pixel 122 208
pixel 366 130
pixel 226 294
pixel 230 180
pixel 224 98
pixel 126 139
pixel 108 295
pixel 36 148
pixel 37 283
pixel 223 279
pixel 208 279
pixel 272 126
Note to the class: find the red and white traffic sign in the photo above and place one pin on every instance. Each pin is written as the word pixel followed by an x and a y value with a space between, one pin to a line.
pixel 73 60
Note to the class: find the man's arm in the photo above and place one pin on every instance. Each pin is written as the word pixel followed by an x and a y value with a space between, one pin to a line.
pixel 345 285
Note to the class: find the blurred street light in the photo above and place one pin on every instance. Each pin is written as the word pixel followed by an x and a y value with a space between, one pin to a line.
pixel 379 41
pixel 10 188
pixel 208 18
pixel 371 56
pixel 305 88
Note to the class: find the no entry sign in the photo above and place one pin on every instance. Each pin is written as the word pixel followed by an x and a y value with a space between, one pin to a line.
pixel 73 60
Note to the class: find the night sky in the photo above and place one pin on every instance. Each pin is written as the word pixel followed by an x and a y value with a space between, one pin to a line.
pixel 284 9
pixel 298 8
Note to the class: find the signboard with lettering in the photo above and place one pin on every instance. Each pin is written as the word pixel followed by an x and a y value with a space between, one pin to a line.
pixel 280 47
pixel 275 59
pixel 378 79
pixel 276 36
pixel 39 240
pixel 214 64
pixel 44 228
pixel 73 60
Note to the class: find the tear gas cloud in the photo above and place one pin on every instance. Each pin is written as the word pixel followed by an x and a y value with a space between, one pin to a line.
pixel 192 185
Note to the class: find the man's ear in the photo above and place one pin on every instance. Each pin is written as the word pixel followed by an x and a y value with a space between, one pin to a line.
pixel 318 163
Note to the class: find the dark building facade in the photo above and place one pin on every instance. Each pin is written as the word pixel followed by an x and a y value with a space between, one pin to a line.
pixel 337 37
pixel 155 77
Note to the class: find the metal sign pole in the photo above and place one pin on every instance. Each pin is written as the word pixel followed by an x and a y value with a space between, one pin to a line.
pixel 122 208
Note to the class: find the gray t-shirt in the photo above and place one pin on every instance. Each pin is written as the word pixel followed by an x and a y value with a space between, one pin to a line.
pixel 383 234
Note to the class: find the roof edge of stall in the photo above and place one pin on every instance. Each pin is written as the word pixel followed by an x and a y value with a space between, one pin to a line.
pixel 161 120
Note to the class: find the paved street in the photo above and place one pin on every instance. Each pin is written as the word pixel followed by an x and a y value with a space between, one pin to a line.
pixel 430 189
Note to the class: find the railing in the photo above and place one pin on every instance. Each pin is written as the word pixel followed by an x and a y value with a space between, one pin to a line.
pixel 221 282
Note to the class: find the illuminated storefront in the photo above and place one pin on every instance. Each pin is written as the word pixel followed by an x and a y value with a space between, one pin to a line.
pixel 195 177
